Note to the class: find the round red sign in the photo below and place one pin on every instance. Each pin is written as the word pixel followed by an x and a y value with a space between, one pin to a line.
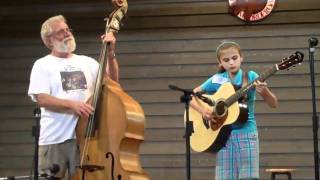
pixel 251 10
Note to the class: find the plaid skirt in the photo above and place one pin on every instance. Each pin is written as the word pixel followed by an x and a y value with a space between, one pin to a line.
pixel 239 159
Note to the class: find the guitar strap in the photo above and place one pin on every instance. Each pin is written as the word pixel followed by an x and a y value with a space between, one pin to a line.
pixel 244 99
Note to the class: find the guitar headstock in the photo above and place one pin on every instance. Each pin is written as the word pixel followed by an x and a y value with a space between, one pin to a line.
pixel 293 59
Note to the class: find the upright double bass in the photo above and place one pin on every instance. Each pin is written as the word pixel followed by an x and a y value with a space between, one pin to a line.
pixel 109 139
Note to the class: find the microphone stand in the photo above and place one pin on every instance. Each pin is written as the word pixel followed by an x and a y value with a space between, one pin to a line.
pixel 313 42
pixel 36 133
pixel 186 98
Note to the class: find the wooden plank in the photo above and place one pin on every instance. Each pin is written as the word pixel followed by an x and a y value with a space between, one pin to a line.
pixel 149 8
pixel 16 172
pixel 172 133
pixel 172 96
pixel 166 71
pixel 16 100
pixel 28 2
pixel 152 148
pixel 18 162
pixel 233 32
pixel 162 83
pixel 263 120
pixel 292 17
pixel 203 70
pixel 16 112
pixel 175 108
pixel 194 45
pixel 302 173
pixel 178 109
pixel 288 146
pixel 271 56
pixel 265 133
pixel 20 85
pixel 23 124
pixel 209 7
pixel 197 45
pixel 202 173
pixel 14 87
pixel 16 137
pixel 287 120
pixel 171 154
pixel 176 121
pixel 16 150
pixel 179 173
pixel 206 20
pixel 173 173
pixel 282 93
pixel 208 160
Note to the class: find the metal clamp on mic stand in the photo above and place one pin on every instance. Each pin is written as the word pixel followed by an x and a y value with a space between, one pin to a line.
pixel 313 42
pixel 36 133
pixel 186 98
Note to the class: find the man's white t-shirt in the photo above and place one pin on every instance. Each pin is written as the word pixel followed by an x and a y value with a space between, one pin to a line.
pixel 72 78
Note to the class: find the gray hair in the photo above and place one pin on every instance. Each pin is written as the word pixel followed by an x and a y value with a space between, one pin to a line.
pixel 46 28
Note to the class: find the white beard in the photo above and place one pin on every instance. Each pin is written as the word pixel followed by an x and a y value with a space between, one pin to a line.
pixel 67 45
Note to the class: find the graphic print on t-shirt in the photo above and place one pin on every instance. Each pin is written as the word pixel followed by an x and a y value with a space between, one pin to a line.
pixel 73 80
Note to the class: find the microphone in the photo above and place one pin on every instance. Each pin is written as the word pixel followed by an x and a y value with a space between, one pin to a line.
pixel 174 87
pixel 313 42
pixel 197 94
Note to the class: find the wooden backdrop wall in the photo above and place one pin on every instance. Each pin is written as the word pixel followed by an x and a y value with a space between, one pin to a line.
pixel 167 42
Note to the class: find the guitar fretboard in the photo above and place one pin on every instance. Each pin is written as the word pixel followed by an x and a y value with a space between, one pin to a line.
pixel 242 91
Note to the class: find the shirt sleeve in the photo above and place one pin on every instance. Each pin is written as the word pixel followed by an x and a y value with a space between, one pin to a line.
pixel 211 85
pixel 252 76
pixel 39 81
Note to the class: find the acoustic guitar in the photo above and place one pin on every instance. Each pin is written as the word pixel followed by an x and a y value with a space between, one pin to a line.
pixel 211 137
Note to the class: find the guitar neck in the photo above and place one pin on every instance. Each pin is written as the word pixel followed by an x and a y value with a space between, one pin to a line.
pixel 242 91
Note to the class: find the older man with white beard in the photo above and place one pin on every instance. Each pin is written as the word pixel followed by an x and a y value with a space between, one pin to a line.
pixel 61 83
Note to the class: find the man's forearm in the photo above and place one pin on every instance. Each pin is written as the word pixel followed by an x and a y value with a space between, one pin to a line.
pixel 113 69
pixel 53 103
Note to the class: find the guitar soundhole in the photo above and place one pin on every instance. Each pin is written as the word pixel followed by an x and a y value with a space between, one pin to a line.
pixel 220 109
